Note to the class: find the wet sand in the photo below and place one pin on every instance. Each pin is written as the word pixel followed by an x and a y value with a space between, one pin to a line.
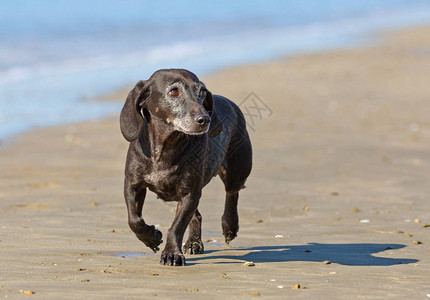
pixel 338 200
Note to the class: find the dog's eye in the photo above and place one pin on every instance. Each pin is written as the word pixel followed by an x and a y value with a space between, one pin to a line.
pixel 174 92
pixel 202 94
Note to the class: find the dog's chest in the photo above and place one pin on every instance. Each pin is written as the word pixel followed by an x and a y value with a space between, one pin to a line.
pixel 164 182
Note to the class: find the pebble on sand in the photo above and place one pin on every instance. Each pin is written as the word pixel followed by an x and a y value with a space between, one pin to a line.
pixel 249 264
pixel 28 292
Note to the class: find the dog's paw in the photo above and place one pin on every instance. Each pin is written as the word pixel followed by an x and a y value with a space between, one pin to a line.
pixel 152 238
pixel 229 230
pixel 172 259
pixel 194 247
pixel 229 236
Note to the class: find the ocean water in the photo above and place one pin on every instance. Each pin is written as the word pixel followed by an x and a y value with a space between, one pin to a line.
pixel 55 56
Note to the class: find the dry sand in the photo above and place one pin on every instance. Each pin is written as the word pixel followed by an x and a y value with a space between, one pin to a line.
pixel 337 201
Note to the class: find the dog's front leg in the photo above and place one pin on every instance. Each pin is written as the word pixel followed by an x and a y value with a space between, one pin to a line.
pixel 172 253
pixel 148 234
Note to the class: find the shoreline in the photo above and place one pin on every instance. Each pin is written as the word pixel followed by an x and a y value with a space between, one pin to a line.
pixel 368 38
pixel 336 202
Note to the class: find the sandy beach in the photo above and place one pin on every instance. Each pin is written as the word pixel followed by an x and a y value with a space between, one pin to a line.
pixel 337 203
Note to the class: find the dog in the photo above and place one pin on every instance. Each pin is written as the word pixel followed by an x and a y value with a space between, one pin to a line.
pixel 180 137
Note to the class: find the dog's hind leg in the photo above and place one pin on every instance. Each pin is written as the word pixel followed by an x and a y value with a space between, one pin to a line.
pixel 233 183
pixel 194 244
pixel 230 218
pixel 235 171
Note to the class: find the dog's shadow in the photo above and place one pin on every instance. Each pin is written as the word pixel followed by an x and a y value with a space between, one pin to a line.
pixel 343 254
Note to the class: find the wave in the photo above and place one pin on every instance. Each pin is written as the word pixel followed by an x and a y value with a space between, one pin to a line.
pixel 44 92
pixel 245 46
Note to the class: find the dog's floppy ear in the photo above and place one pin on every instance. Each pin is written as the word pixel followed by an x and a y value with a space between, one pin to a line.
pixel 131 118
pixel 215 127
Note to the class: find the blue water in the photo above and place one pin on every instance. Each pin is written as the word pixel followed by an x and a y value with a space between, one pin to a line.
pixel 56 55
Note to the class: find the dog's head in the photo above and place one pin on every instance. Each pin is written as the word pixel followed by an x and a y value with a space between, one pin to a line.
pixel 175 96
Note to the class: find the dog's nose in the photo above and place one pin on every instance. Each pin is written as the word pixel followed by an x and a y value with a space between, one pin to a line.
pixel 203 119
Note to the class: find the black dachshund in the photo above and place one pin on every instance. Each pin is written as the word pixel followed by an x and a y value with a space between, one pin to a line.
pixel 180 137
